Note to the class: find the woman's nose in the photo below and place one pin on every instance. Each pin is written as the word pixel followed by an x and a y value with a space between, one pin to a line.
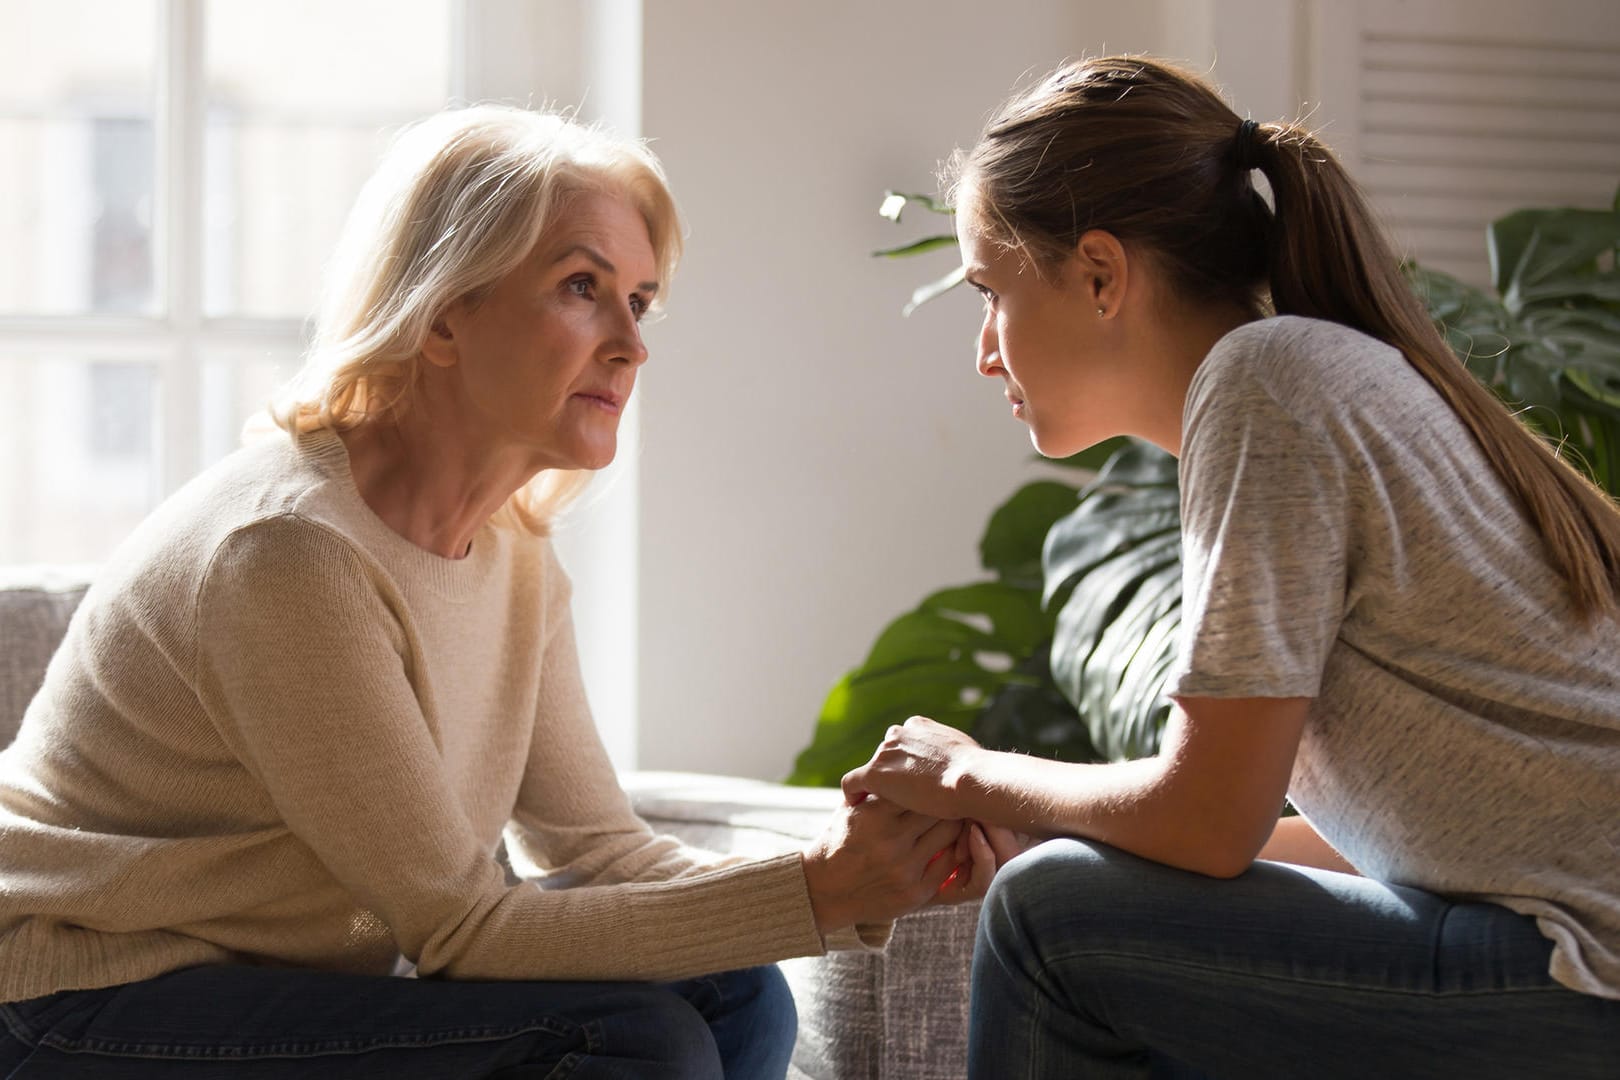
pixel 989 362
pixel 634 352
pixel 626 346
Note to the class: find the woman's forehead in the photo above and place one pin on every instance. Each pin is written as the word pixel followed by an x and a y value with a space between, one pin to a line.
pixel 601 223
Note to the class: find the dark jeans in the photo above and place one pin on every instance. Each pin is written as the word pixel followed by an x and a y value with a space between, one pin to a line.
pixel 252 1023
pixel 1094 963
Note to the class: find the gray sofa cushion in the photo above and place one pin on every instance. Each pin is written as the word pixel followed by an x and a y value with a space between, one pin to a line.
pixel 36 603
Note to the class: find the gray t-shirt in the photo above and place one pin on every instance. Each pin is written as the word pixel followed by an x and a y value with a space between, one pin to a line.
pixel 1344 539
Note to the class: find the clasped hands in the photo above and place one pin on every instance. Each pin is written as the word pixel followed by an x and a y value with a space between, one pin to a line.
pixel 903 838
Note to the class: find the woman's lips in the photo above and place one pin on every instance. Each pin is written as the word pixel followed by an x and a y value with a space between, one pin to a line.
pixel 606 400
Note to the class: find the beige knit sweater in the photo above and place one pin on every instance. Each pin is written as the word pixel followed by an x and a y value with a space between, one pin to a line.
pixel 277 732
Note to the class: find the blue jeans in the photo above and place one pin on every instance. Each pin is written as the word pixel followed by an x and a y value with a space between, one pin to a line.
pixel 1094 963
pixel 254 1023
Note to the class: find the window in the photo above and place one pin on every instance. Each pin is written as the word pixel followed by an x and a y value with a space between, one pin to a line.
pixel 172 176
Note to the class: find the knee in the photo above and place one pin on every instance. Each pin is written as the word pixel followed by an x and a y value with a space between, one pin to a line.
pixel 669 1039
pixel 1057 876
pixel 777 1014
pixel 1085 894
pixel 762 1003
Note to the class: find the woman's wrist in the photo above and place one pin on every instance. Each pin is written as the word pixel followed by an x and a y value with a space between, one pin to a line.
pixel 973 782
pixel 1011 790
pixel 824 907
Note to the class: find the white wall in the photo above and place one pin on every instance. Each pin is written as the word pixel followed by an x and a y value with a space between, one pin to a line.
pixel 806 464
pixel 1257 51
pixel 813 464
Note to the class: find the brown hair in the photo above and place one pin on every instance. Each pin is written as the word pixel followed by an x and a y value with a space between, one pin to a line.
pixel 1152 155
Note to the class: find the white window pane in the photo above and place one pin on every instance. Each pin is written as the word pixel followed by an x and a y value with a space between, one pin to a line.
pixel 81 467
pixel 235 390
pixel 77 162
pixel 302 95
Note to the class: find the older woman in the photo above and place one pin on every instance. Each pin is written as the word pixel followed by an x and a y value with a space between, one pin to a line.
pixel 290 722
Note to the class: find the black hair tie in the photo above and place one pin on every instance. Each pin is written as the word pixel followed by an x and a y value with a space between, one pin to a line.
pixel 1246 148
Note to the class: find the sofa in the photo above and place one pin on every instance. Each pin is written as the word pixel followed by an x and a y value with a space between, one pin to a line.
pixel 896 1015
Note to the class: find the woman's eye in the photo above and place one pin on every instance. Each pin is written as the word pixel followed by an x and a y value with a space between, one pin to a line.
pixel 582 285
pixel 638 305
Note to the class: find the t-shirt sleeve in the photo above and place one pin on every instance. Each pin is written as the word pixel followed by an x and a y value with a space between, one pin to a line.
pixel 1265 541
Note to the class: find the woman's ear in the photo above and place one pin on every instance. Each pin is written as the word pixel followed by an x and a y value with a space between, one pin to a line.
pixel 1101 270
pixel 440 346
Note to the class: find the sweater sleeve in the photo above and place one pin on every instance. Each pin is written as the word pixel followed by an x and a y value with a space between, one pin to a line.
pixel 301 664
pixel 573 824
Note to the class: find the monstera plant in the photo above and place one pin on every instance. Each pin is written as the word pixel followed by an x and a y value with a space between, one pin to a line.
pixel 1064 651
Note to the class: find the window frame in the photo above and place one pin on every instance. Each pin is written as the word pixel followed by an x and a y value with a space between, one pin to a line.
pixel 179 337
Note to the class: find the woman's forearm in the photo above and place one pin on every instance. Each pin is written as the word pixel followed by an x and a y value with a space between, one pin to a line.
pixel 1207 802
pixel 1133 805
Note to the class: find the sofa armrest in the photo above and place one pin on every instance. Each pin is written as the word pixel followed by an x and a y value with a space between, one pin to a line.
pixel 36 603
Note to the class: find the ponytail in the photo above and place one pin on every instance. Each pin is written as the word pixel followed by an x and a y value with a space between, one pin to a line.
pixel 1153 155
pixel 1329 260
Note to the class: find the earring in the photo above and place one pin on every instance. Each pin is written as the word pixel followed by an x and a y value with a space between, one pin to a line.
pixel 1101 311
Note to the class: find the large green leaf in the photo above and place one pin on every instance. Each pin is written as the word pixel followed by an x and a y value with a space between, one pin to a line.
pixel 1542 255
pixel 962 655
pixel 947 660
pixel 1033 718
pixel 1098 631
pixel 1475 324
pixel 1550 348
pixel 1583 338
pixel 1134 497
pixel 1139 700
pixel 1011 547
pixel 1114 568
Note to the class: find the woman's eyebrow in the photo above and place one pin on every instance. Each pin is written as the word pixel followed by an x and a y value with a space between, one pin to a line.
pixel 601 261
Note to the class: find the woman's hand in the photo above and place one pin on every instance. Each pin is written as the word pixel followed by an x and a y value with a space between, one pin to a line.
pixel 920 765
pixel 980 852
pixel 1008 843
pixel 877 861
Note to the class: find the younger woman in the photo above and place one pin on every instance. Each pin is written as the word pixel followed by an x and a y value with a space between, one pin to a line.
pixel 1399 610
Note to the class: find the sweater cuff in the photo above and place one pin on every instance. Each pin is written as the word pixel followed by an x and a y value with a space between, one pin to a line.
pixel 873 937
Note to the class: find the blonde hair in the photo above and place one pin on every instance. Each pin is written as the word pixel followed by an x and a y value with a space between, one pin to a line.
pixel 459 200
pixel 1153 155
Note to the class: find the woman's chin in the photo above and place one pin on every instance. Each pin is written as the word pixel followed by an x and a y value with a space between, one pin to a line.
pixel 1047 445
pixel 1058 445
pixel 595 462
pixel 590 458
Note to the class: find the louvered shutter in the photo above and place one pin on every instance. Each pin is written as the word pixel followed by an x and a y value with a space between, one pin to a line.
pixel 1452 113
